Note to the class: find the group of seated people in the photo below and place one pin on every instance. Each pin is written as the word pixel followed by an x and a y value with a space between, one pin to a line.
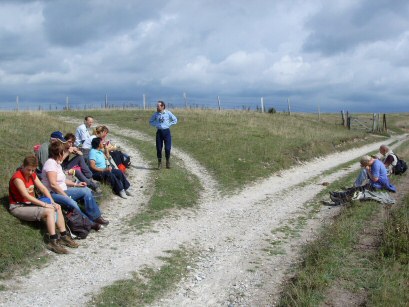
pixel 64 176
pixel 373 181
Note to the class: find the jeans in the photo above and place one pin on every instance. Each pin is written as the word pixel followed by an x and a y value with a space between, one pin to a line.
pixel 115 178
pixel 362 178
pixel 69 203
pixel 163 136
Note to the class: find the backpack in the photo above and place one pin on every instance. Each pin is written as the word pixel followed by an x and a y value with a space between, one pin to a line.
pixel 78 225
pixel 400 167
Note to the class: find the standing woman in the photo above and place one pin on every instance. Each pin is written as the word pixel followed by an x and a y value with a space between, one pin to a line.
pixel 25 206
pixel 66 192
pixel 162 120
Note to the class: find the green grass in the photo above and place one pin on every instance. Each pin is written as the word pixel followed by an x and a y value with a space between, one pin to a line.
pixel 172 189
pixel 148 284
pixel 333 261
pixel 21 244
pixel 240 147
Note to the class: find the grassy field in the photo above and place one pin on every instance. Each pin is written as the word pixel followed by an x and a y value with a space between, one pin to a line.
pixel 238 147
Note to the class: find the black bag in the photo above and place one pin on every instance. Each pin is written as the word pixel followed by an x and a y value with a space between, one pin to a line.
pixel 79 225
pixel 400 167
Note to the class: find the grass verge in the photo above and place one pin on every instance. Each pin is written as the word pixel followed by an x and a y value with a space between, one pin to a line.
pixel 171 189
pixel 379 277
pixel 148 284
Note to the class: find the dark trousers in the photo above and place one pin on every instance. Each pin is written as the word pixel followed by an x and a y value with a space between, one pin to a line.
pixel 163 136
pixel 78 161
pixel 115 178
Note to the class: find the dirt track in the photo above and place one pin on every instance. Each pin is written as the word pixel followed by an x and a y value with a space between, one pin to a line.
pixel 232 233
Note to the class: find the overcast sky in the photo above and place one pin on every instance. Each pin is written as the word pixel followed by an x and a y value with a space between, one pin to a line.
pixel 346 54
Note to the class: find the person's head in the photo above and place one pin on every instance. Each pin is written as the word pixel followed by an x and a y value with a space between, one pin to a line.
pixel 366 160
pixel 57 136
pixel 88 121
pixel 70 137
pixel 56 150
pixel 30 164
pixel 96 142
pixel 160 106
pixel 101 131
pixel 383 149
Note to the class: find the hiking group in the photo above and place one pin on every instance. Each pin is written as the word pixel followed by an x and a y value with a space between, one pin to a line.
pixel 60 183
pixel 373 180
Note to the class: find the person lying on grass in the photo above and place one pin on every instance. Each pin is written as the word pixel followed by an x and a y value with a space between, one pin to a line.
pixel 25 206
pixel 66 192
pixel 103 171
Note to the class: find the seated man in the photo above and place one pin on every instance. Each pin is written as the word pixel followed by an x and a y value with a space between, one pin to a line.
pixel 389 159
pixel 25 206
pixel 377 181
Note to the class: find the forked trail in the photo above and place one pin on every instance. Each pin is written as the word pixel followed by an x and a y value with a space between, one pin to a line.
pixel 232 234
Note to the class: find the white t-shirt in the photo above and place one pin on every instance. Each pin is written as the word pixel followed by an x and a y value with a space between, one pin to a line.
pixel 53 166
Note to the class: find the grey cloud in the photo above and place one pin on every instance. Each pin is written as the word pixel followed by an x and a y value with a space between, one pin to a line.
pixel 76 22
pixel 334 30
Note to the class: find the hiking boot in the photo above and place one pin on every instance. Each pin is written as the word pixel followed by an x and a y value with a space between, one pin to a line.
pixel 128 193
pixel 56 248
pixel 122 194
pixel 338 201
pixel 96 226
pixel 101 221
pixel 167 164
pixel 159 164
pixel 68 241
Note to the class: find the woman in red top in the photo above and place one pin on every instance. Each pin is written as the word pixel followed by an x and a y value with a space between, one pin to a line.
pixel 25 206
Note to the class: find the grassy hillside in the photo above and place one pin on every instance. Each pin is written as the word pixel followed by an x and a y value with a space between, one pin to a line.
pixel 239 147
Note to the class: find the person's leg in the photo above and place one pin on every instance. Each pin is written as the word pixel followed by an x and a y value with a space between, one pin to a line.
pixel 167 137
pixel 79 161
pixel 159 146
pixel 67 203
pixel 362 178
pixel 91 207
pixel 121 178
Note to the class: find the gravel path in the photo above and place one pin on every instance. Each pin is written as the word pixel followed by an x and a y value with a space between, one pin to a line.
pixel 231 231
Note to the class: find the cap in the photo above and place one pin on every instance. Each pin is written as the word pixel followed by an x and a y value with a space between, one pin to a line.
pixel 58 136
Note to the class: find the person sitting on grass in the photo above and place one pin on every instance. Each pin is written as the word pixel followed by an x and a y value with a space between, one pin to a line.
pixel 65 191
pixel 103 171
pixel 25 206
pixel 78 164
pixel 372 188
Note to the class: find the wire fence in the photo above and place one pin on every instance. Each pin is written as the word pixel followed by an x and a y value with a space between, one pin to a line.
pixel 263 104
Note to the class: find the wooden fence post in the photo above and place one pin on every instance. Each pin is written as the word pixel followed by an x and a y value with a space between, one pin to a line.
pixel 384 126
pixel 373 122
pixel 289 108
pixel 262 104
pixel 342 118
pixel 349 122
pixel 218 102
pixel 144 101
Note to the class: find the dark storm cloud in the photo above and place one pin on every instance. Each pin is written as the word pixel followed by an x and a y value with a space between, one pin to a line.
pixel 338 29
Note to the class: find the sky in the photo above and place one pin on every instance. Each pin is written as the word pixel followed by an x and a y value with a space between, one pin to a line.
pixel 316 55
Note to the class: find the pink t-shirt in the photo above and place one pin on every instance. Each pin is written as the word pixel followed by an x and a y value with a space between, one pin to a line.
pixel 53 166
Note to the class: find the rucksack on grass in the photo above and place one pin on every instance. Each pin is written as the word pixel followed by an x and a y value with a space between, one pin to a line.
pixel 78 225
pixel 400 167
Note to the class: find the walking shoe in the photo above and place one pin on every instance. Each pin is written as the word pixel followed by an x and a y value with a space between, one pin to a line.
pixel 338 201
pixel 122 194
pixel 159 164
pixel 128 193
pixel 167 164
pixel 101 221
pixel 68 241
pixel 56 248
pixel 96 226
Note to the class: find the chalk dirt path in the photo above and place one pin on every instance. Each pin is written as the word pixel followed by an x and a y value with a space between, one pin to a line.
pixel 232 233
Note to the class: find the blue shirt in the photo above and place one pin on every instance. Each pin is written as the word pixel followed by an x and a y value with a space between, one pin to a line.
pixel 99 158
pixel 379 171
pixel 163 120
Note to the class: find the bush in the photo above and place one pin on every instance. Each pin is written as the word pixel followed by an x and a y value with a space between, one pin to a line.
pixel 272 110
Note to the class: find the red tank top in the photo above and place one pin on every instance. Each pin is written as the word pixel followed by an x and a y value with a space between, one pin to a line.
pixel 14 193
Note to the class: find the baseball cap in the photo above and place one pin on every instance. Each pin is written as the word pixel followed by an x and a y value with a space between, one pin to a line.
pixel 58 136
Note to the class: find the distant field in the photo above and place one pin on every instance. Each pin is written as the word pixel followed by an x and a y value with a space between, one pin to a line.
pixel 240 147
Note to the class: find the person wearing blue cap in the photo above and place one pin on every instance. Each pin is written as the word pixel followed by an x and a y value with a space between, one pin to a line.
pixel 162 119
